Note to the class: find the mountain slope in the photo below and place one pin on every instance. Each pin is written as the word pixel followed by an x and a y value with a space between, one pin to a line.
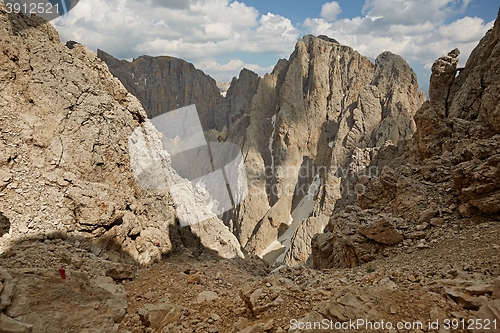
pixel 300 123
pixel 317 108
pixel 163 84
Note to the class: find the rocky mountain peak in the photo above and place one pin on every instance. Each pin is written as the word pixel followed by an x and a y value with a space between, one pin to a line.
pixel 166 83
pixel 337 179
pixel 342 101
pixel 328 39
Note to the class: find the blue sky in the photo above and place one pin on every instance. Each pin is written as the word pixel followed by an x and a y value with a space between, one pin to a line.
pixel 223 36
pixel 298 10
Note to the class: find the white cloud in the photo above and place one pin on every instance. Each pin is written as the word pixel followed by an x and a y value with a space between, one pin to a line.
pixel 201 31
pixel 225 72
pixel 330 10
pixel 464 30
pixel 193 30
pixel 412 29
pixel 409 11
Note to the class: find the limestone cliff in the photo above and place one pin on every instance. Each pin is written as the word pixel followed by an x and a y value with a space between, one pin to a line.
pixel 449 174
pixel 316 109
pixel 65 165
pixel 165 83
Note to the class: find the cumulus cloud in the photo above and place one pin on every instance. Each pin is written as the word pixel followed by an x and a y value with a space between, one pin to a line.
pixel 193 30
pixel 409 12
pixel 330 10
pixel 230 69
pixel 415 29
pixel 206 31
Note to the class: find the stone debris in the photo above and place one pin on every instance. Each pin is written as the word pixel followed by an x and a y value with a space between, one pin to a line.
pixel 419 242
pixel 382 232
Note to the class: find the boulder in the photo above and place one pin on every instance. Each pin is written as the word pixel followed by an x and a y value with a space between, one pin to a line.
pixel 381 232
pixel 9 325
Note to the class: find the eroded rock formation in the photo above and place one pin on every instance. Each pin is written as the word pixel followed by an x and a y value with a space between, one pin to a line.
pixel 451 168
pixel 299 128
pixel 64 150
pixel 317 108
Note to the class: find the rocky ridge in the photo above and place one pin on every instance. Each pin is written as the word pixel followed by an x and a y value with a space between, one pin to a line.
pixel 442 219
pixel 448 173
pixel 300 136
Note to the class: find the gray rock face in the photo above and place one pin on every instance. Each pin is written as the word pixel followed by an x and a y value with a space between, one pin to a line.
pixel 163 84
pixel 238 100
pixel 301 250
pixel 444 71
pixel 317 108
pixel 65 163
pixel 328 39
pixel 300 123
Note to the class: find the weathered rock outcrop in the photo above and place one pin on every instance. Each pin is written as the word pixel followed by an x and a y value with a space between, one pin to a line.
pixel 66 172
pixel 459 127
pixel 64 149
pixel 453 165
pixel 316 108
pixel 355 237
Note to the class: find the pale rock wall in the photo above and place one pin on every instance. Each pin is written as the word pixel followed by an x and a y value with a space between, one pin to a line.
pixel 462 131
pixel 64 152
pixel 327 100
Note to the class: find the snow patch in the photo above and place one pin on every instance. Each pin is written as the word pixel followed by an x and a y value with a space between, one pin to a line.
pixel 271 141
pixel 299 214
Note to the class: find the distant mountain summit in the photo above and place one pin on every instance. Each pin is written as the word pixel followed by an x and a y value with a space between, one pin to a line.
pixel 165 83
pixel 300 129
pixel 223 87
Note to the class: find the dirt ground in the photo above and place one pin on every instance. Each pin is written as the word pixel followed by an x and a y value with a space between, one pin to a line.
pixel 409 285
